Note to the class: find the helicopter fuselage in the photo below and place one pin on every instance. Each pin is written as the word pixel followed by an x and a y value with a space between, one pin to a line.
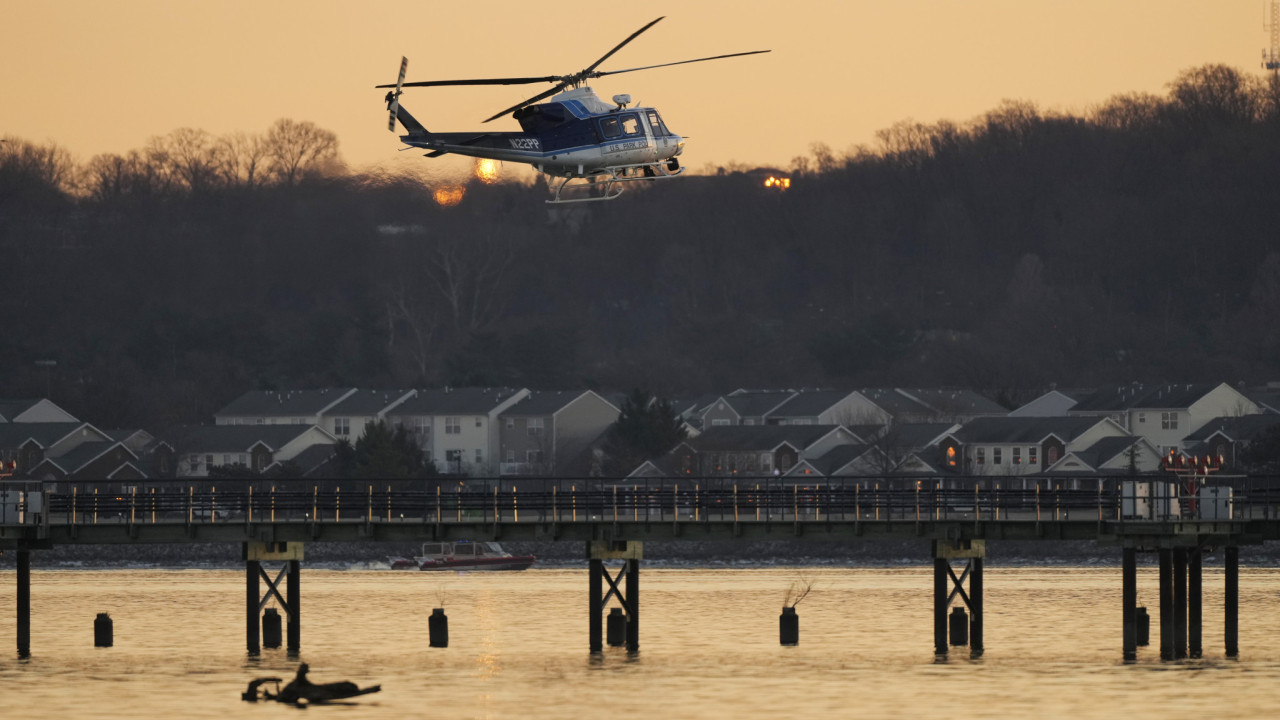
pixel 576 135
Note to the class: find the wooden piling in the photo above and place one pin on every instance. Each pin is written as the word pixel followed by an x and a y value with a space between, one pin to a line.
pixel 252 568
pixel 24 603
pixel 595 586
pixel 1129 593
pixel 1231 629
pixel 939 605
pixel 295 606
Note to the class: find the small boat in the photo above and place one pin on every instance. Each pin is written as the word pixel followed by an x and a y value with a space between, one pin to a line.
pixel 301 691
pixel 463 555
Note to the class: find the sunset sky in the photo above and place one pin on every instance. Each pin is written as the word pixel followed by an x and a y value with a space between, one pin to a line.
pixel 98 76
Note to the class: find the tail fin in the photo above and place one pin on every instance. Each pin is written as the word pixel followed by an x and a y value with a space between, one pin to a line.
pixel 410 124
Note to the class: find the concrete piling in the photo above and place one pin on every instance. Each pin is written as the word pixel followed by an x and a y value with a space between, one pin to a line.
pixel 438 628
pixel 616 628
pixel 789 627
pixel 103 632
pixel 271 636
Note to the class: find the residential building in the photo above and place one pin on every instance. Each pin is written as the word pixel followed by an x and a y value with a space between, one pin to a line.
pixel 1164 414
pixel 287 407
pixel 545 431
pixel 457 428
pixel 255 447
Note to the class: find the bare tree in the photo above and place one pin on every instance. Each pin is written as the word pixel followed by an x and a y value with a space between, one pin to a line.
pixel 468 274
pixel 241 159
pixel 299 148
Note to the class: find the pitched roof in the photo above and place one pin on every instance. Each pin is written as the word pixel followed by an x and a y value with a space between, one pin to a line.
pixel 12 408
pixel 367 402
pixel 893 402
pixel 1103 451
pixel 85 453
pixel 998 430
pixel 917 435
pixel 838 457
pixel 757 403
pixel 954 402
pixel 810 403
pixel 1115 398
pixel 13 435
pixel 239 438
pixel 1237 429
pixel 455 401
pixel 759 437
pixel 288 403
pixel 545 403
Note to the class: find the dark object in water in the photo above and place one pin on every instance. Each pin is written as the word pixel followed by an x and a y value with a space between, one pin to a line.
pixel 301 691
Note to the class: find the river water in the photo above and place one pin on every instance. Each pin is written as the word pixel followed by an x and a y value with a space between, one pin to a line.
pixel 708 647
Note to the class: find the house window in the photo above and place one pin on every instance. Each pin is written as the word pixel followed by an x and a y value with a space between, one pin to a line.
pixel 453 456
pixel 511 455
pixel 511 422
pixel 226 459
pixel 1169 421
pixel 982 456
pixel 1017 456
pixel 1142 418
pixel 479 456
pixel 479 421
pixel 342 426
pixel 766 462
pixel 535 426
pixel 208 460
pixel 996 456
pixel 1033 456
pixel 452 426
pixel 1052 455
pixel 718 422
pixel 422 425
pixel 951 455
pixel 533 456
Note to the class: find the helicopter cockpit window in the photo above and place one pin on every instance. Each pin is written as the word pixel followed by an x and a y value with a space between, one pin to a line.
pixel 655 123
pixel 610 128
pixel 631 125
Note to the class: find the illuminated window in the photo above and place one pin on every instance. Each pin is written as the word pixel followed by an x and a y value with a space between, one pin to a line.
pixel 1033 456
pixel 951 456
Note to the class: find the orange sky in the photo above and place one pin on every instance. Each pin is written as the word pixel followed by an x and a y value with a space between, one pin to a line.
pixel 98 76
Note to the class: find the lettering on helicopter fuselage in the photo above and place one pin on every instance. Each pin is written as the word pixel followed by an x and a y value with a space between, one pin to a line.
pixel 623 147
pixel 526 144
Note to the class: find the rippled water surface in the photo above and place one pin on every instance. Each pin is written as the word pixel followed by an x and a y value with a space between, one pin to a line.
pixel 708 647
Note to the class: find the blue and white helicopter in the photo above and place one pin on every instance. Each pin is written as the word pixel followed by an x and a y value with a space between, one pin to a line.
pixel 595 146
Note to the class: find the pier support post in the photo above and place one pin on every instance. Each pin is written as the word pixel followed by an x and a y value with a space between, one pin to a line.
pixel 595 586
pixel 252 631
pixel 291 554
pixel 1195 611
pixel 24 603
pixel 293 633
pixel 1166 603
pixel 1231 626
pixel 628 595
pixel 1179 603
pixel 947 586
pixel 1129 585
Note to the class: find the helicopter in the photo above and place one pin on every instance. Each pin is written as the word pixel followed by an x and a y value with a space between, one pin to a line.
pixel 595 147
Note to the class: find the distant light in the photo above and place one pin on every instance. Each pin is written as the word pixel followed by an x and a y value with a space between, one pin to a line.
pixel 778 183
pixel 449 195
pixel 486 170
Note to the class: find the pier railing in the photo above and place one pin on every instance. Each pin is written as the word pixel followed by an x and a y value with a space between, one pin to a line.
pixel 739 500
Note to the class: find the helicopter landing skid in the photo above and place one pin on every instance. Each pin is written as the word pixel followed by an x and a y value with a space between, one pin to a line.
pixel 609 185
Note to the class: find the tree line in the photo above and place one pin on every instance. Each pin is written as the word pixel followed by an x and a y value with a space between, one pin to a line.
pixel 1134 241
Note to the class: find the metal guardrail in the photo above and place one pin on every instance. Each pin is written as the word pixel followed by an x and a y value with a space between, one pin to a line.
pixel 1112 498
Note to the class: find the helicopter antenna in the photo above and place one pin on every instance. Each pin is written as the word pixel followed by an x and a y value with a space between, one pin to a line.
pixel 393 104
pixel 561 81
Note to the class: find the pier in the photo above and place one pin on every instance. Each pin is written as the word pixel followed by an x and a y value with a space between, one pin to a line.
pixel 956 518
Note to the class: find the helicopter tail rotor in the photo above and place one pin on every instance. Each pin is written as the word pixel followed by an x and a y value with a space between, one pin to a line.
pixel 393 98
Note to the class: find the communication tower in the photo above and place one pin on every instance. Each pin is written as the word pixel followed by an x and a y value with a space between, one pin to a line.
pixel 1271 56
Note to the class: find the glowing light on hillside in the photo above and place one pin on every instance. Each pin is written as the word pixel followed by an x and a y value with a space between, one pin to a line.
pixel 777 183
pixel 449 195
pixel 487 170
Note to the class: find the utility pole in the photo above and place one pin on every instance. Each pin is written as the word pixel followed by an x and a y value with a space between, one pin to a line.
pixel 1271 55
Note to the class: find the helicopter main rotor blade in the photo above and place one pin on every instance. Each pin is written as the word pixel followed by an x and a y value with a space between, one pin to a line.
pixel 682 62
pixel 559 86
pixel 483 81
pixel 618 47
